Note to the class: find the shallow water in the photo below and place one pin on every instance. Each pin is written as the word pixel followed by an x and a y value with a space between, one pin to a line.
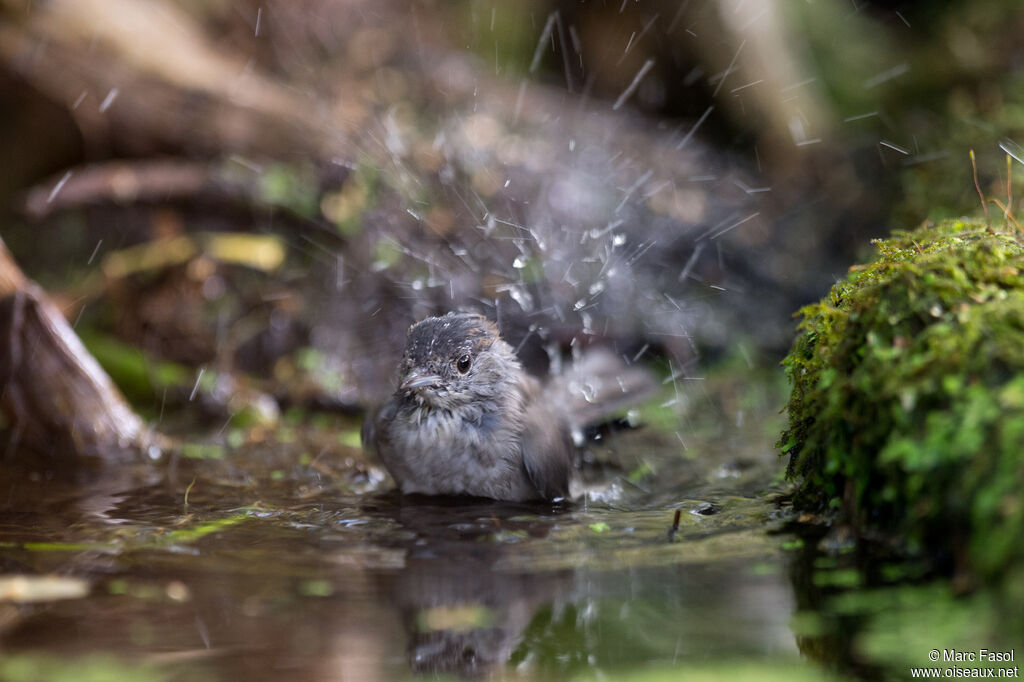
pixel 269 564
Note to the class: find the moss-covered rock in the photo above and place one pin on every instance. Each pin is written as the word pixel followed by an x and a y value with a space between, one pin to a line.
pixel 907 408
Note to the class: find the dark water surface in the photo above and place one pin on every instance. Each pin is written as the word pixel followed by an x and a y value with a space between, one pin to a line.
pixel 259 565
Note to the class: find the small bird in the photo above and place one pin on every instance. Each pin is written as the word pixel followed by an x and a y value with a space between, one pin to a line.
pixel 467 419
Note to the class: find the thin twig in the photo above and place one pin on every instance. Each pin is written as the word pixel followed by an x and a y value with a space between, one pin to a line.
pixel 1006 212
pixel 977 186
pixel 1009 193
pixel 187 491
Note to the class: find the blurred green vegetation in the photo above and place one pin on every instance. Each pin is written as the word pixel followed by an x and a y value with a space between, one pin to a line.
pixel 139 377
pixel 91 668
pixel 923 86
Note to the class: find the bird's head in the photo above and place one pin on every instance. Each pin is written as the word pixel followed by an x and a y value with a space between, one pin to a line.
pixel 455 360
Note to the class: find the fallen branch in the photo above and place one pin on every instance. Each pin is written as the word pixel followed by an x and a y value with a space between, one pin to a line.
pixel 56 398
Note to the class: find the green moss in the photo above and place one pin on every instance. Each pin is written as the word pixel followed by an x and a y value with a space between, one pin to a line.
pixel 907 404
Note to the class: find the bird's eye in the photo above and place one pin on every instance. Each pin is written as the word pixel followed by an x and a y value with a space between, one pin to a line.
pixel 463 363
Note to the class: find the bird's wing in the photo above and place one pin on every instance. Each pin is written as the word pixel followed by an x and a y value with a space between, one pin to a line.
pixel 546 444
pixel 597 385
pixel 374 430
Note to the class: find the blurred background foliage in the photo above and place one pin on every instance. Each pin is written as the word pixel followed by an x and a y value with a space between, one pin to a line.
pixel 735 156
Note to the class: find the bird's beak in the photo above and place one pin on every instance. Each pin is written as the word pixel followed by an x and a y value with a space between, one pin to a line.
pixel 419 381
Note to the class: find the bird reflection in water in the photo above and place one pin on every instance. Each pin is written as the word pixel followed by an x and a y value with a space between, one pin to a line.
pixel 462 612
